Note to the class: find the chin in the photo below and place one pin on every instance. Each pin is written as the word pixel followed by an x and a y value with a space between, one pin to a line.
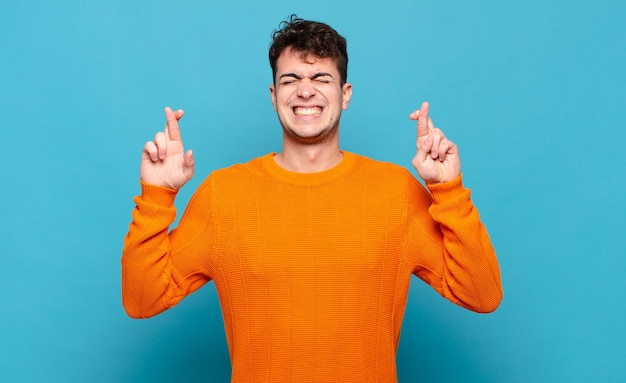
pixel 312 138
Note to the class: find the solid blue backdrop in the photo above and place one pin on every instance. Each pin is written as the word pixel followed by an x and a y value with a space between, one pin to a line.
pixel 533 92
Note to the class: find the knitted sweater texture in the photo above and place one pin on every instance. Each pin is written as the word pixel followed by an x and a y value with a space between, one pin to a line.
pixel 312 270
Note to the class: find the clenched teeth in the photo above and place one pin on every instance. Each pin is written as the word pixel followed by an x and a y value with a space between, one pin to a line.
pixel 307 111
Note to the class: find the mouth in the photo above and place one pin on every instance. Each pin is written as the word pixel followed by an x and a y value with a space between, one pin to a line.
pixel 310 111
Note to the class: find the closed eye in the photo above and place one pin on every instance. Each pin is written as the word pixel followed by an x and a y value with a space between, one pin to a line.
pixel 322 77
pixel 289 78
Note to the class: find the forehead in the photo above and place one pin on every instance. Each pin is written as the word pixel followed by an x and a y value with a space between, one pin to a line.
pixel 292 61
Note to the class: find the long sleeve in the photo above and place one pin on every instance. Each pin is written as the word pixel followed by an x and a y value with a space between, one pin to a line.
pixel 161 268
pixel 454 253
pixel 312 270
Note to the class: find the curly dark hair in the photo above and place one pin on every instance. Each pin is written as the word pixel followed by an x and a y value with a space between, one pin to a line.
pixel 309 37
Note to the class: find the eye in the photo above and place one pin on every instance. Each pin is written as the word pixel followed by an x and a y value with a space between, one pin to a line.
pixel 323 80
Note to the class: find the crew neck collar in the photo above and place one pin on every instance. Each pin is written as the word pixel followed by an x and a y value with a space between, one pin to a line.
pixel 308 179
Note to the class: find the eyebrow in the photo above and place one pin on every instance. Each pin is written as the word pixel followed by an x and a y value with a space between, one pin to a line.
pixel 299 77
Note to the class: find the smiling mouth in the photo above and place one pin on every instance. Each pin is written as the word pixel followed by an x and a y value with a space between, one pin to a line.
pixel 314 111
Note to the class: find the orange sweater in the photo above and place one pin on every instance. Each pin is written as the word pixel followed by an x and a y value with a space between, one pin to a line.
pixel 312 270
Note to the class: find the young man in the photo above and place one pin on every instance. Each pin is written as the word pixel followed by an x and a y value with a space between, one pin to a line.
pixel 311 249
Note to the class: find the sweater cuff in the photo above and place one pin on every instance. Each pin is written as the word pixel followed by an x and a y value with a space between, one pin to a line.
pixel 157 195
pixel 446 191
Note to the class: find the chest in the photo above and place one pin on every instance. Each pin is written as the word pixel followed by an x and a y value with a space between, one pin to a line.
pixel 311 232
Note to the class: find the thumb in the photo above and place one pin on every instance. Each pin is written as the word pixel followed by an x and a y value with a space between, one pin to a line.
pixel 188 164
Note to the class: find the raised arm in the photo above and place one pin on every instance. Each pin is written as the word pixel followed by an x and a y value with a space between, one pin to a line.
pixel 156 272
pixel 460 261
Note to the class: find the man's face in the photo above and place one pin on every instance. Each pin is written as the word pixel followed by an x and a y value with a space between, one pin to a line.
pixel 308 97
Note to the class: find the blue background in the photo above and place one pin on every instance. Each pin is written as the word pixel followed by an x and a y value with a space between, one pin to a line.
pixel 533 92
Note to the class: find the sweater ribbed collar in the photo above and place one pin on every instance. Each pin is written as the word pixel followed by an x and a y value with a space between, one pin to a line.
pixel 308 179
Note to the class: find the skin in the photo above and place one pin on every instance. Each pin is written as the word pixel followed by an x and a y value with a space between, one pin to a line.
pixel 164 161
pixel 308 99
pixel 437 159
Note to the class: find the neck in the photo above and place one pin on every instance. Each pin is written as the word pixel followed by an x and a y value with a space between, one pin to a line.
pixel 309 158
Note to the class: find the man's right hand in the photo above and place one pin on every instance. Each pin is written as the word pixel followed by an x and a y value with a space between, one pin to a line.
pixel 164 161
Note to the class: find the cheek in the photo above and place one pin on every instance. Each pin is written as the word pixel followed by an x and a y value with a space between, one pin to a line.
pixel 281 98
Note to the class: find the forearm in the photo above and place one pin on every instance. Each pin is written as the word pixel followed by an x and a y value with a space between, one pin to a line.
pixel 145 258
pixel 468 274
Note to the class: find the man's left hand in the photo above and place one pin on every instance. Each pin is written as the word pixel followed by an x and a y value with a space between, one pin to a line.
pixel 437 159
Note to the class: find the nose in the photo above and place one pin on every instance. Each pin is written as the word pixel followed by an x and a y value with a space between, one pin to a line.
pixel 306 89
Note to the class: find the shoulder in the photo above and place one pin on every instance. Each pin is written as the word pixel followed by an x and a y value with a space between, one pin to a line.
pixel 396 177
pixel 224 178
pixel 380 168
pixel 239 169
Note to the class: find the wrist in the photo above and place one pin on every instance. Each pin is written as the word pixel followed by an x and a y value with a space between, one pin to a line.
pixel 156 194
pixel 443 191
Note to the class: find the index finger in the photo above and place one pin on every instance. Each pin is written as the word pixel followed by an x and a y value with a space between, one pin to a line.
pixel 422 121
pixel 172 128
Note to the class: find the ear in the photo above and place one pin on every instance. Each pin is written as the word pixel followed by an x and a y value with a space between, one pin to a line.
pixel 273 95
pixel 346 94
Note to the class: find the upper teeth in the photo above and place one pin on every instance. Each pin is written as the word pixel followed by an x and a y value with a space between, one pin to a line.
pixel 307 111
